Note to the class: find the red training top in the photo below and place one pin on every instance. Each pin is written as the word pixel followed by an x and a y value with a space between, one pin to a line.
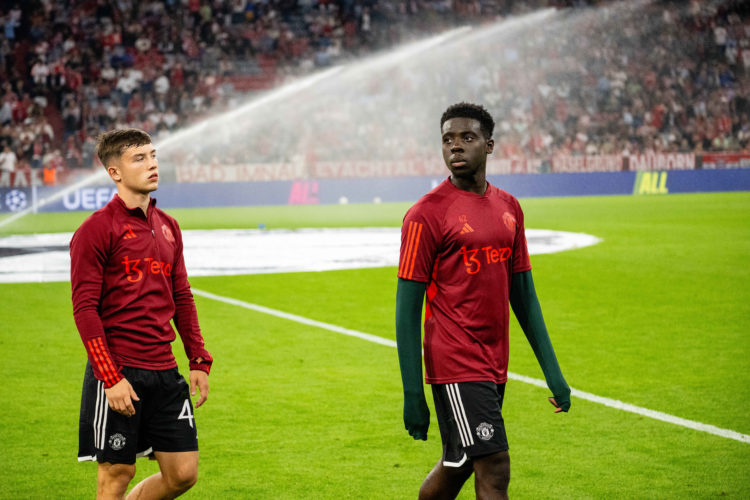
pixel 129 280
pixel 465 246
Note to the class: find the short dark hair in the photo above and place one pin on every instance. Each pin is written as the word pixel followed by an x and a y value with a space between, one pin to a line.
pixel 110 145
pixel 473 111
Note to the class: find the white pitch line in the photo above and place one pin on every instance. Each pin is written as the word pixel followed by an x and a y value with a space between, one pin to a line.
pixel 612 403
pixel 657 415
pixel 294 317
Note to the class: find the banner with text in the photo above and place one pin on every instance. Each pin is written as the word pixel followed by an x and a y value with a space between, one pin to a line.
pixel 726 160
pixel 378 190
pixel 258 172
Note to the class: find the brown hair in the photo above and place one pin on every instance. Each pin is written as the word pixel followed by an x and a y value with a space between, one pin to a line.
pixel 110 145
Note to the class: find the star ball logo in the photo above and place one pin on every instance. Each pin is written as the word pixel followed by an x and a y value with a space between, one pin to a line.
pixel 15 200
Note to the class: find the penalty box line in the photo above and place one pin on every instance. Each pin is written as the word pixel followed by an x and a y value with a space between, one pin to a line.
pixel 612 403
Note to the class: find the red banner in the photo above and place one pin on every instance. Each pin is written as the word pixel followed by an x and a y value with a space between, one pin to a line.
pixel 726 160
pixel 513 166
pixel 600 163
pixel 349 169
pixel 302 170
pixel 340 170
pixel 241 173
pixel 662 161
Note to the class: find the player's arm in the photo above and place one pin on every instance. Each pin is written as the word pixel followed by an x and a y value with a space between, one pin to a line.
pixel 186 321
pixel 526 307
pixel 409 297
pixel 87 260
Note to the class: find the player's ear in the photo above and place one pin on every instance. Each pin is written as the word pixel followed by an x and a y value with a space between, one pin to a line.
pixel 114 172
pixel 490 145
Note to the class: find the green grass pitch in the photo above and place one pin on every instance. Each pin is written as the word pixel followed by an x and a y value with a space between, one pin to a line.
pixel 656 315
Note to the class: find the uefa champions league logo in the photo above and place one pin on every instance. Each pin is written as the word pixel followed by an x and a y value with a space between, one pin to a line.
pixel 15 200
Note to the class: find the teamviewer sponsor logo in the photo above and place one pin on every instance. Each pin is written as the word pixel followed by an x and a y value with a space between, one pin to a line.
pixel 135 269
pixel 474 257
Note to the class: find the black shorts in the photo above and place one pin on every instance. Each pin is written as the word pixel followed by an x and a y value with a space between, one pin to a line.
pixel 470 418
pixel 163 419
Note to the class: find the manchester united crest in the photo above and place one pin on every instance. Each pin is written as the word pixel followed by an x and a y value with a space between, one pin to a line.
pixel 117 441
pixel 485 431
pixel 510 221
pixel 167 233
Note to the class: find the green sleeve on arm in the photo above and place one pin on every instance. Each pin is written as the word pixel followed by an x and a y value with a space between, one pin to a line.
pixel 409 297
pixel 526 307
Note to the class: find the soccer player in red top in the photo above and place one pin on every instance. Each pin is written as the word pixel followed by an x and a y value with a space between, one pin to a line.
pixel 463 245
pixel 129 281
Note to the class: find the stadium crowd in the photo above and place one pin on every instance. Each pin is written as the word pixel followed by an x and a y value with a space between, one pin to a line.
pixel 673 76
pixel 663 77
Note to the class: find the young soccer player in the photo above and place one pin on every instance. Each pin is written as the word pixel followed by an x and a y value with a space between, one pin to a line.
pixel 129 280
pixel 463 245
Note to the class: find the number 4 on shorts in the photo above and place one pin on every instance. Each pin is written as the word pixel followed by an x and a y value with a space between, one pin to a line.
pixel 187 412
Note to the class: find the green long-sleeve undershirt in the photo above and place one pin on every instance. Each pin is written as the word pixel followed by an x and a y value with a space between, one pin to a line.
pixel 526 307
pixel 409 297
pixel 525 304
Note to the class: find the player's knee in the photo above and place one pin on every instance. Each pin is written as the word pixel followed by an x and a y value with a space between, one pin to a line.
pixel 459 474
pixel 444 482
pixel 492 474
pixel 182 478
pixel 114 477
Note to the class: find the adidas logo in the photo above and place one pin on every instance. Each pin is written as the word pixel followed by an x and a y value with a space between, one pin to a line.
pixel 130 234
pixel 467 229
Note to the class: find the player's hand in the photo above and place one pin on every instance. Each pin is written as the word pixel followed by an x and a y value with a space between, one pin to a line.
pixel 199 379
pixel 563 405
pixel 121 396
pixel 416 416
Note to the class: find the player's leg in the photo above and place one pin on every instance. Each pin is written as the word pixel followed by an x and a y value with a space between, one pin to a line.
pixel 444 483
pixel 107 437
pixel 447 478
pixel 112 480
pixel 491 476
pixel 473 431
pixel 490 450
pixel 171 432
pixel 179 472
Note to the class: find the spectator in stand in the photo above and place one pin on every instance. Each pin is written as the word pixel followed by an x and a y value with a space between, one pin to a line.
pixel 6 113
pixel 8 159
pixel 73 156
pixel 53 165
